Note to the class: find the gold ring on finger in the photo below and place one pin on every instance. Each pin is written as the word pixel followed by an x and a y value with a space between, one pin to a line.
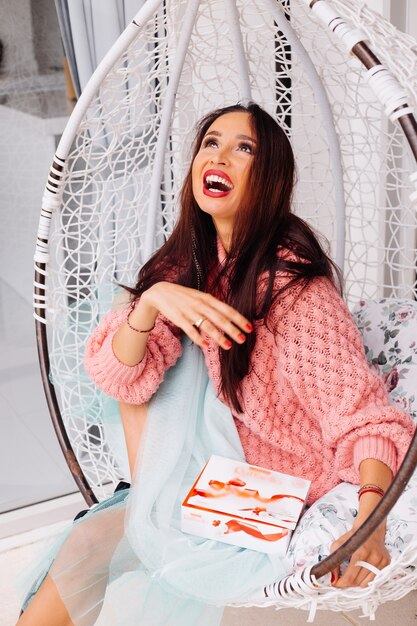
pixel 199 322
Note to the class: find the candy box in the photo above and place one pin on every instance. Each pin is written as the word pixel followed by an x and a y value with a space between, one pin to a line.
pixel 245 505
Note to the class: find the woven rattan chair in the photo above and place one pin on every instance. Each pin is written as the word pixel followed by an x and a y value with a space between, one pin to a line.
pixel 340 80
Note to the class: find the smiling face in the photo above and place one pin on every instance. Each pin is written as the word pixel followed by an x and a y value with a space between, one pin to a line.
pixel 221 167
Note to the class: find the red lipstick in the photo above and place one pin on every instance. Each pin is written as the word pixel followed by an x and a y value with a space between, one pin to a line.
pixel 218 193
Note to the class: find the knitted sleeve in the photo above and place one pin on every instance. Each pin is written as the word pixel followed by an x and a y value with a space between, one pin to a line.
pixel 321 353
pixel 131 384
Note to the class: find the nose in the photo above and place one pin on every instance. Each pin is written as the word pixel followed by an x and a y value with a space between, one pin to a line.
pixel 220 157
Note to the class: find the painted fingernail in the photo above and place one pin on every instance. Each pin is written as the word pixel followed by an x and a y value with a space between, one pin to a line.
pixel 241 337
pixel 228 344
pixel 205 343
pixel 333 578
pixel 249 327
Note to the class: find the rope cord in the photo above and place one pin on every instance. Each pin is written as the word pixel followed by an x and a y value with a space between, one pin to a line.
pixel 154 207
pixel 327 118
pixel 344 32
pixel 388 90
pixel 239 49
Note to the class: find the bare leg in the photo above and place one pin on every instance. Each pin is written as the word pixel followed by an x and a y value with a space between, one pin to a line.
pixel 46 608
pixel 82 568
pixel 134 420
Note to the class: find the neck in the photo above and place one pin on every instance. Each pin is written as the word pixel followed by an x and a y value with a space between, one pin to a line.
pixel 224 232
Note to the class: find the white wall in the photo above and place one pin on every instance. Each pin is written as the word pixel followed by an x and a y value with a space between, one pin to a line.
pixel 402 13
pixel 412 17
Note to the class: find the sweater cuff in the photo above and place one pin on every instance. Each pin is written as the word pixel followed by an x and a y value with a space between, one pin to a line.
pixel 113 369
pixel 375 447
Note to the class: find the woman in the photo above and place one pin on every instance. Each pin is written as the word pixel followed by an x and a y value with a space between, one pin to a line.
pixel 248 282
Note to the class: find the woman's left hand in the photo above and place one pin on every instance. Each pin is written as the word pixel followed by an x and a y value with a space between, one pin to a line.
pixel 373 551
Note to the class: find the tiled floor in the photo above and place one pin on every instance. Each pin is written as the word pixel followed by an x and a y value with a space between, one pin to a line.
pixel 14 561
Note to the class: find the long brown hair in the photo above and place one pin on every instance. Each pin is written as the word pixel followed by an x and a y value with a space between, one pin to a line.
pixel 263 223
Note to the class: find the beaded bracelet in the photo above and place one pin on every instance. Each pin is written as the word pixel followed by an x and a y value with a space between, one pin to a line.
pixel 371 488
pixel 148 330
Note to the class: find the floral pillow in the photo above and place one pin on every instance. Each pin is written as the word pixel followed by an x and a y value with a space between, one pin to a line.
pixel 389 330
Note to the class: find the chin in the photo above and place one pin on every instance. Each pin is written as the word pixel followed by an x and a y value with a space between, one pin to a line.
pixel 217 214
pixel 215 208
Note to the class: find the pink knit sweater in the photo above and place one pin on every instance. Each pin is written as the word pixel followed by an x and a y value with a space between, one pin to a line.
pixel 312 406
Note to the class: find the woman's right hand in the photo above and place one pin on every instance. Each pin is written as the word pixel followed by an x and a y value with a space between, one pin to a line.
pixel 184 306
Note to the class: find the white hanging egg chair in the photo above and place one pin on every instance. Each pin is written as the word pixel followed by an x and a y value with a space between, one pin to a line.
pixel 341 81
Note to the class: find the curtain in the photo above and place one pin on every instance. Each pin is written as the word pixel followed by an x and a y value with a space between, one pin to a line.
pixel 88 30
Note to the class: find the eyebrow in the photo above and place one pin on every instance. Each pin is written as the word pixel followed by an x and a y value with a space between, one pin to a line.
pixel 216 133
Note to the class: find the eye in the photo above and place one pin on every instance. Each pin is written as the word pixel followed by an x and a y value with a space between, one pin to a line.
pixel 209 143
pixel 246 147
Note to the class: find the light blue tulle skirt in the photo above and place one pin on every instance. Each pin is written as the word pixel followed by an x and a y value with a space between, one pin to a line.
pixel 126 562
